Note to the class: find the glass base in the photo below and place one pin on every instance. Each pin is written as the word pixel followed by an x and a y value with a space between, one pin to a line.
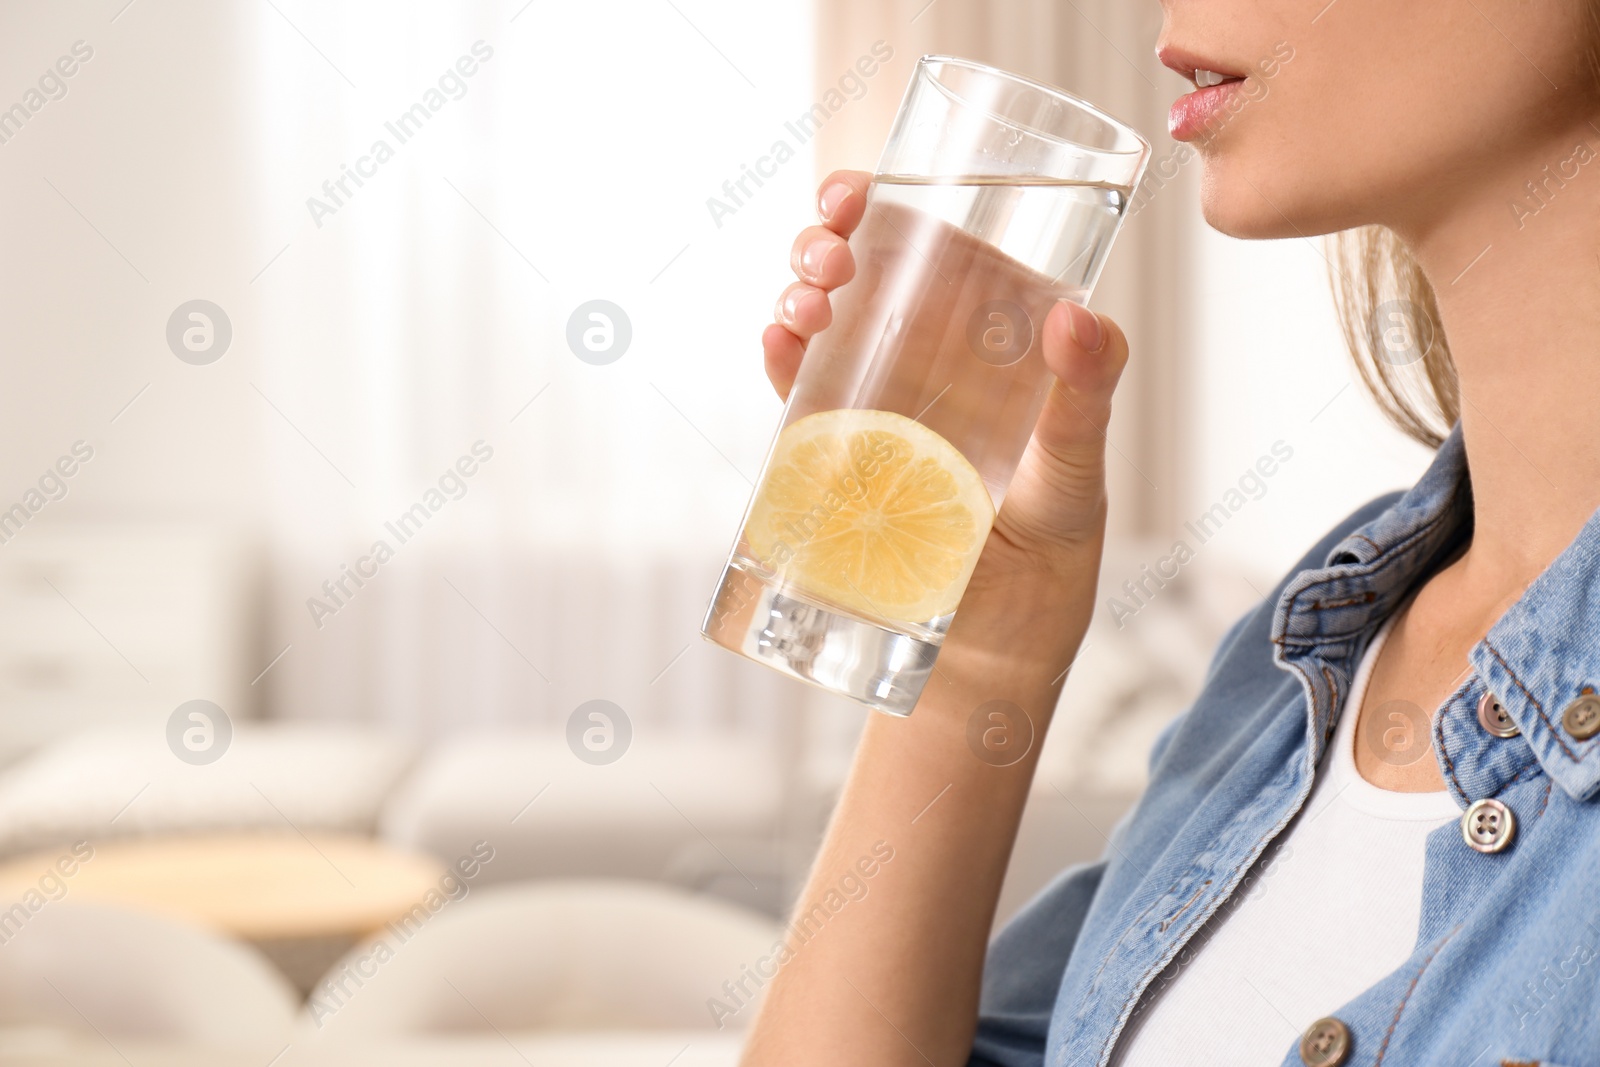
pixel 759 618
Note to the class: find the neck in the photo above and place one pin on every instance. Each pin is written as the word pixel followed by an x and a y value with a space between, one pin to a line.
pixel 1516 268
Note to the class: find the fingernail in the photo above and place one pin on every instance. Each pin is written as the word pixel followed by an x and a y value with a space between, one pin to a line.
pixel 1084 326
pixel 831 198
pixel 812 259
pixel 789 305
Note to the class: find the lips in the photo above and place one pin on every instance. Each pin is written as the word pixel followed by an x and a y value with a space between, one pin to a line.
pixel 1194 113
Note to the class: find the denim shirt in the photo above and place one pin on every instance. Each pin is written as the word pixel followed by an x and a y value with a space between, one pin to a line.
pixel 1506 964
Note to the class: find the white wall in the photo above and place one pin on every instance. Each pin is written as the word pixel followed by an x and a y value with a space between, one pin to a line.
pixel 145 148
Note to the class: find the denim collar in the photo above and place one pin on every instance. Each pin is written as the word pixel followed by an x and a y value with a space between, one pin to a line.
pixel 1537 658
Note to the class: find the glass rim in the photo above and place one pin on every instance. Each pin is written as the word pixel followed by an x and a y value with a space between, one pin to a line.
pixel 924 69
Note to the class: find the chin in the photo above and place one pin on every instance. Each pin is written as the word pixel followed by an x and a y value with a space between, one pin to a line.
pixel 1259 204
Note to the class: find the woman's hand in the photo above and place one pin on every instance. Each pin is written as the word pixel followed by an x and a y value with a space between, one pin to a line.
pixel 913 951
pixel 1054 512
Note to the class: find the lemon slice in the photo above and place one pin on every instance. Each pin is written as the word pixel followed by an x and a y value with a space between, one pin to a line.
pixel 872 511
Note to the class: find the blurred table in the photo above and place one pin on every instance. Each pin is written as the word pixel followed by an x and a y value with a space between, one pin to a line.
pixel 303 899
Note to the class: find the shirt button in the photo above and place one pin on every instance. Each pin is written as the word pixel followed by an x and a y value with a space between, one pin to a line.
pixel 1582 717
pixel 1488 826
pixel 1326 1043
pixel 1493 718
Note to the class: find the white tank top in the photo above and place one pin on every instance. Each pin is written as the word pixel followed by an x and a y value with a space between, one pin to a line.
pixel 1328 910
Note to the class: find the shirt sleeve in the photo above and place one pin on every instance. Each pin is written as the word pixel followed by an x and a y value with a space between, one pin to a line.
pixel 1023 971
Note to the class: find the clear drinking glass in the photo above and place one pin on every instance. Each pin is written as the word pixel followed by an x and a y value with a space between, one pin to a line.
pixel 995 197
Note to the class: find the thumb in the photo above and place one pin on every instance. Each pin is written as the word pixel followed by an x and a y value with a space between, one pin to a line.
pixel 1059 490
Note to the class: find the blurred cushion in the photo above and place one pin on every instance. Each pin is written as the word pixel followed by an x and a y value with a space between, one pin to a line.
pixel 125 782
pixel 703 813
pixel 560 955
pixel 120 973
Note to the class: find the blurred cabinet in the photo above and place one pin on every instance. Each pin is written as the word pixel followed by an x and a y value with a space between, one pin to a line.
pixel 113 623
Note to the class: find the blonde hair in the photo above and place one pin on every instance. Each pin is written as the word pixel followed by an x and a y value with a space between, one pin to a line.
pixel 1390 320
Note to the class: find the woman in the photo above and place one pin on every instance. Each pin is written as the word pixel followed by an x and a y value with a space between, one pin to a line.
pixel 1286 891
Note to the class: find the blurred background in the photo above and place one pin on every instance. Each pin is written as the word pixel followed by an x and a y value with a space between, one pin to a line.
pixel 320 545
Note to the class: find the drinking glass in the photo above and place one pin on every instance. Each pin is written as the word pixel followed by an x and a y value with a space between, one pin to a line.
pixel 996 196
